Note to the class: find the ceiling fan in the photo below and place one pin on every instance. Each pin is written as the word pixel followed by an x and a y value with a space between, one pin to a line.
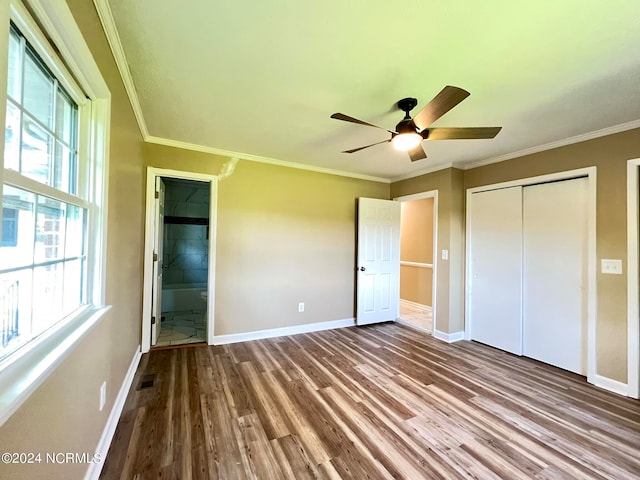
pixel 410 132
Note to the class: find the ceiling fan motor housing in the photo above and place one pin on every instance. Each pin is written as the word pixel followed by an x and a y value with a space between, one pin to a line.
pixel 407 104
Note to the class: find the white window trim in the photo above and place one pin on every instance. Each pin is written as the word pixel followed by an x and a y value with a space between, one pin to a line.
pixel 29 28
pixel 24 371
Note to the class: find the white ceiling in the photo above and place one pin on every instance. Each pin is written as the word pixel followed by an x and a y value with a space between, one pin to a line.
pixel 261 78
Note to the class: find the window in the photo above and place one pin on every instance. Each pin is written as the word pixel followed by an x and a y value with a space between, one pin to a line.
pixel 42 259
pixel 53 179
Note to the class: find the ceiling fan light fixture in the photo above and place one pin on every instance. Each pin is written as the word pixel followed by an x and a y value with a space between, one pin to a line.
pixel 410 132
pixel 406 141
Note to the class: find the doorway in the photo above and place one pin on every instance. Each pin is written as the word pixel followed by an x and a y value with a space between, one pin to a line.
pixel 179 267
pixel 418 227
pixel 184 248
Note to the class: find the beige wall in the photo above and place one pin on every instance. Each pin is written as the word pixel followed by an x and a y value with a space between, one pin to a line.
pixel 416 284
pixel 416 245
pixel 62 415
pixel 284 236
pixel 416 232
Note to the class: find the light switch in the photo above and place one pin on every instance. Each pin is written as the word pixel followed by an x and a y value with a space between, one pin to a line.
pixel 445 254
pixel 613 266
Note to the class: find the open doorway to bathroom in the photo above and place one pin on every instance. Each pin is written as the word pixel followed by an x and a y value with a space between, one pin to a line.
pixel 418 226
pixel 185 247
pixel 179 262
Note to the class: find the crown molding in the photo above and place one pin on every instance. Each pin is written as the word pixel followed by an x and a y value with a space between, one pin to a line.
pixel 110 30
pixel 423 171
pixel 623 127
pixel 257 158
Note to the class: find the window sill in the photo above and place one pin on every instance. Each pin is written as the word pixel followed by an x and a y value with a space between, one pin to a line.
pixel 23 372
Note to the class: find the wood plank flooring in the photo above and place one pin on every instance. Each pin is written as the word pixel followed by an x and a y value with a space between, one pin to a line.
pixel 377 402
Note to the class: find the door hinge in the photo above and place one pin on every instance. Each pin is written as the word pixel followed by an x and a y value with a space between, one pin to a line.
pixel 155 257
pixel 153 320
pixel 157 194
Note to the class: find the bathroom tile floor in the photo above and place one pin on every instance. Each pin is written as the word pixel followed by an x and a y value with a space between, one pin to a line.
pixel 181 327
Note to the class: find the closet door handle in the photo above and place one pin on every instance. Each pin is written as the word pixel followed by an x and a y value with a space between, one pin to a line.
pixel 362 269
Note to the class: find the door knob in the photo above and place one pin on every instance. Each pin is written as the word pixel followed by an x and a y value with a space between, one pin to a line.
pixel 362 269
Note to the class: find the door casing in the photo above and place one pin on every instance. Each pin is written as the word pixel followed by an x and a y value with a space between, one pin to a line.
pixel 633 271
pixel 158 262
pixel 434 271
pixel 152 173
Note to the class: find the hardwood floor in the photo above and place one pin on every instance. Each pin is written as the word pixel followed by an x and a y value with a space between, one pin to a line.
pixel 376 402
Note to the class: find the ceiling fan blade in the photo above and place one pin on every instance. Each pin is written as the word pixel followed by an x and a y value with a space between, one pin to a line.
pixel 452 133
pixel 448 98
pixel 347 118
pixel 417 153
pixel 353 150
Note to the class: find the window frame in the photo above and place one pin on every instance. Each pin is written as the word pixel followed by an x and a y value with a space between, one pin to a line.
pixel 74 67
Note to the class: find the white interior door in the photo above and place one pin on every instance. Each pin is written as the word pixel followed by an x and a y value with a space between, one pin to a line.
pixel 378 282
pixel 158 230
pixel 495 295
pixel 554 273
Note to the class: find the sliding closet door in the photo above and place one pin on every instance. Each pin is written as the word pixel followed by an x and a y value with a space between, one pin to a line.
pixel 495 219
pixel 554 267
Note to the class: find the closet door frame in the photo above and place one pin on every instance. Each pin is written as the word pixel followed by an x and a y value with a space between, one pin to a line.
pixel 590 174
pixel 633 276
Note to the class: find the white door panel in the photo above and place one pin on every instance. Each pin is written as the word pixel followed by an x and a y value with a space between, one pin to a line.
pixel 555 237
pixel 496 268
pixel 156 299
pixel 378 265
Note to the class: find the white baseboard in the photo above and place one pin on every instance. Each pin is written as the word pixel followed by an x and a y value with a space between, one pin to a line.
pixel 448 337
pixel 283 331
pixel 611 385
pixel 93 472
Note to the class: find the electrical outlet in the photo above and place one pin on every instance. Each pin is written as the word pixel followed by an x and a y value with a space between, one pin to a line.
pixel 103 395
pixel 445 254
pixel 301 307
pixel 612 266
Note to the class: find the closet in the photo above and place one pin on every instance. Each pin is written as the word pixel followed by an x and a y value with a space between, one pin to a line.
pixel 527 266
